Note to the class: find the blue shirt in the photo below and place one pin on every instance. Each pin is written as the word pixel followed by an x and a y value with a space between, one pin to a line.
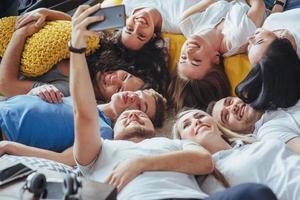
pixel 32 121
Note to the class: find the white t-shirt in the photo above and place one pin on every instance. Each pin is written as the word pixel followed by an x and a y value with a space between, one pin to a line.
pixel 289 20
pixel 237 25
pixel 282 124
pixel 170 10
pixel 269 162
pixel 148 185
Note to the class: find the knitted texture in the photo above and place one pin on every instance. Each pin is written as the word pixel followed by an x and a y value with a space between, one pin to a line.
pixel 45 48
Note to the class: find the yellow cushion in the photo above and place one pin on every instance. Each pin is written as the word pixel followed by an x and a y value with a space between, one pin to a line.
pixel 43 49
pixel 236 67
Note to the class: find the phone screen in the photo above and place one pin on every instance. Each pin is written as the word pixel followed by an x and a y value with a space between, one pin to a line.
pixel 14 172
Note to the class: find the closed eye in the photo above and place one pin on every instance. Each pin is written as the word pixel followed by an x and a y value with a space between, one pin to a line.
pixel 259 41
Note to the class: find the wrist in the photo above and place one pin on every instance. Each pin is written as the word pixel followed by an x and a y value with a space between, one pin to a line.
pixel 279 3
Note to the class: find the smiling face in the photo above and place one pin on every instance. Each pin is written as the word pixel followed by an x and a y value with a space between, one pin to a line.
pixel 110 83
pixel 197 126
pixel 139 29
pixel 140 100
pixel 197 58
pixel 234 114
pixel 133 124
pixel 259 43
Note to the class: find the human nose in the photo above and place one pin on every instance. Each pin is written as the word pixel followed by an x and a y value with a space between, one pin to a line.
pixel 133 116
pixel 190 53
pixel 251 39
pixel 133 98
pixel 115 80
pixel 234 108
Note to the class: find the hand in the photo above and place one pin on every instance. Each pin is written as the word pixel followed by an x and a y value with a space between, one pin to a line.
pixel 124 172
pixel 28 29
pixel 37 16
pixel 80 21
pixel 48 93
pixel 3 147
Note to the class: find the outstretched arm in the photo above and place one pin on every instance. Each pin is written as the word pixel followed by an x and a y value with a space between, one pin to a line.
pixel 10 85
pixel 87 143
pixel 199 7
pixel 193 160
pixel 257 11
pixel 13 148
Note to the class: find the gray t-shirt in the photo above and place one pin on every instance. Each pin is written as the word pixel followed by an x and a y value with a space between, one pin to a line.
pixel 53 77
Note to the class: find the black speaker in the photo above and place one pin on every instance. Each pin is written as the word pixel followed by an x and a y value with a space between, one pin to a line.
pixel 36 184
pixel 71 185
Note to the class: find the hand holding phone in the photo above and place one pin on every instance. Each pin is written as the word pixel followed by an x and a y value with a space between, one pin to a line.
pixel 114 17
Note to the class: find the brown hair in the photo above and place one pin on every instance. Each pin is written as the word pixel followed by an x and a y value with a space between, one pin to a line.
pixel 198 93
pixel 160 108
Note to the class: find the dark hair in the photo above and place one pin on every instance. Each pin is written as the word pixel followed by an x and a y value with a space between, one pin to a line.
pixel 198 93
pixel 160 109
pixel 274 81
pixel 149 63
pixel 210 107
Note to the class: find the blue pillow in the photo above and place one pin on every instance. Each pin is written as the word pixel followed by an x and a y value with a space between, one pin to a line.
pixel 31 121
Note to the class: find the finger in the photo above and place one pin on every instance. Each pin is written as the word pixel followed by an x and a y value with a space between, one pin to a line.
pixel 107 180
pixel 47 96
pixel 90 20
pixel 40 22
pixel 80 9
pixel 58 95
pixel 25 21
pixel 88 12
pixel 42 96
pixel 52 95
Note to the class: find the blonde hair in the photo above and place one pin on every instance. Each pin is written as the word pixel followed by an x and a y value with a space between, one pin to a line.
pixel 229 136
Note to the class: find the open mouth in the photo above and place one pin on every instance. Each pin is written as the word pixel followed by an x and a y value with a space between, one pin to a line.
pixel 192 44
pixel 201 127
pixel 141 20
pixel 125 98
pixel 242 110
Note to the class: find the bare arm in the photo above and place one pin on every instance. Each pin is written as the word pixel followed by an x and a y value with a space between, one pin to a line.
pixel 41 15
pixel 199 7
pixel 10 85
pixel 87 143
pixel 193 160
pixel 294 144
pixel 13 148
pixel 257 11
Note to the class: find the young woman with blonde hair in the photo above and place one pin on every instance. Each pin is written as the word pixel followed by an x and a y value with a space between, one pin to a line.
pixel 241 158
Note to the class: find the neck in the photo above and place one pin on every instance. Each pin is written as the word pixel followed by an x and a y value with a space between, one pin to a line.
pixel 108 111
pixel 214 37
pixel 218 145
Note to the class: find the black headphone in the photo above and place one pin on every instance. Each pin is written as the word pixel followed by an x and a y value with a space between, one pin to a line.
pixel 36 183
pixel 71 185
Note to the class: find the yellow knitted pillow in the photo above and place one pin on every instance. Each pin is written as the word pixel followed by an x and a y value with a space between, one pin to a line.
pixel 44 48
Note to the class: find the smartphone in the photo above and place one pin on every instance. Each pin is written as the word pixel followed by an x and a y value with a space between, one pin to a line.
pixel 14 172
pixel 114 17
